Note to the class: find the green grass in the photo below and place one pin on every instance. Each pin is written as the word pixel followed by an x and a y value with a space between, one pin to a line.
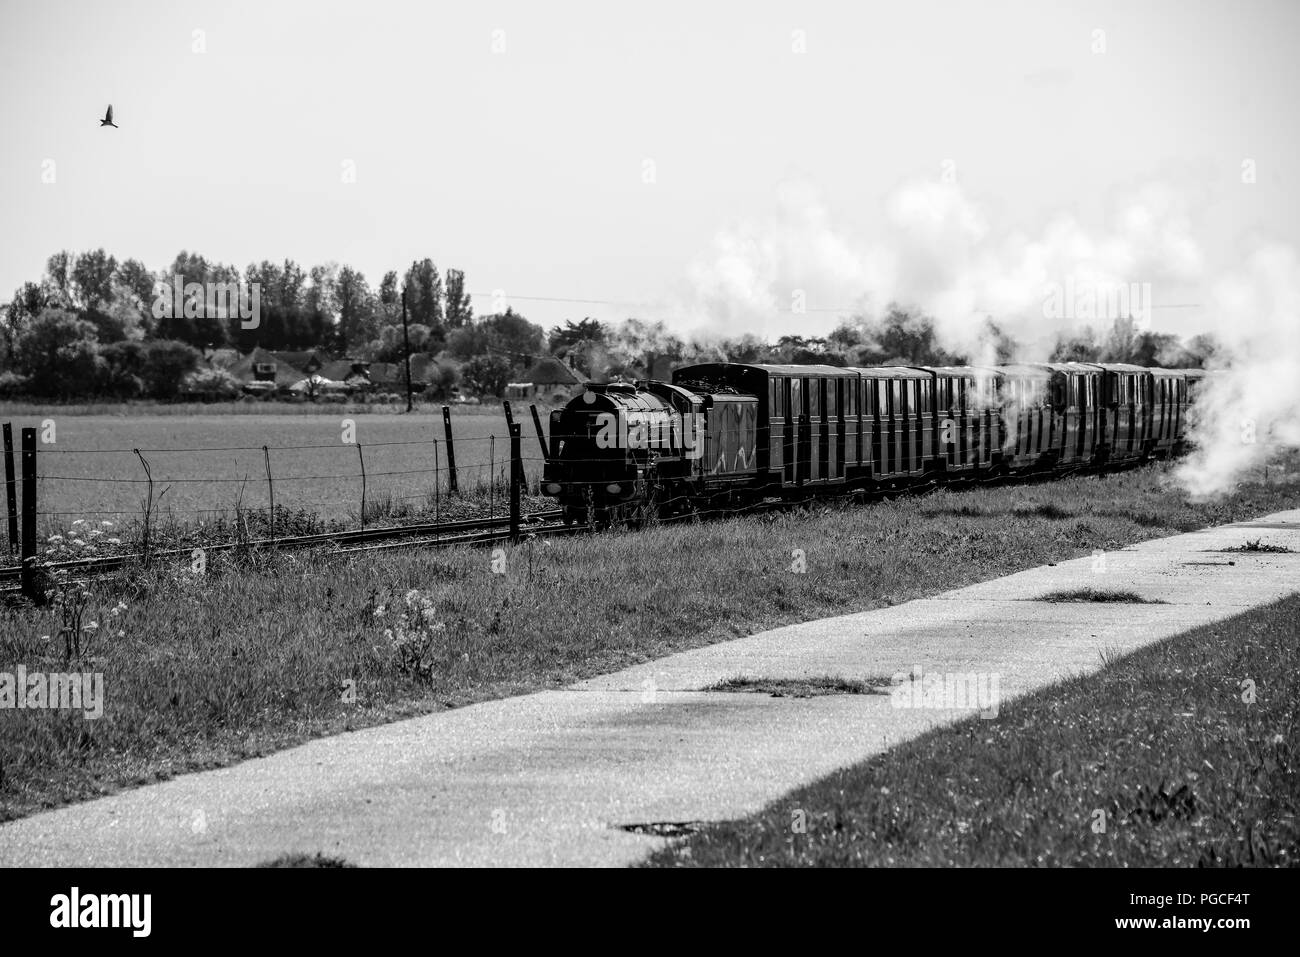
pixel 1104 595
pixel 802 687
pixel 1156 760
pixel 304 860
pixel 270 650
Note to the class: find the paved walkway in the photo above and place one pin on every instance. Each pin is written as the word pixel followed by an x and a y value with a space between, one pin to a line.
pixel 551 778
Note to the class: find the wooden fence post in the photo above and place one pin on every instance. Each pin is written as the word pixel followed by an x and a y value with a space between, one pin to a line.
pixel 452 488
pixel 541 435
pixel 516 475
pixel 29 515
pixel 11 488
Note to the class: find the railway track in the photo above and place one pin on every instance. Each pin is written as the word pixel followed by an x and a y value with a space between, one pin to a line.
pixel 424 535
pixel 485 531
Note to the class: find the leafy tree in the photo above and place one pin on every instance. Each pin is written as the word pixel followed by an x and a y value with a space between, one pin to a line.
pixel 469 341
pixel 92 279
pixel 459 312
pixel 442 377
pixel 293 280
pixel 486 375
pixel 1080 346
pixel 137 283
pixel 424 296
pixel 322 293
pixel 213 383
pixel 124 363
pixel 58 273
pixel 59 354
pixel 356 309
pixel 388 291
pixel 392 348
pixel 29 300
pixel 510 332
pixel 166 363
pixel 574 333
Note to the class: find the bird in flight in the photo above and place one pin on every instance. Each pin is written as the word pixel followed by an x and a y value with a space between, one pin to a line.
pixel 108 118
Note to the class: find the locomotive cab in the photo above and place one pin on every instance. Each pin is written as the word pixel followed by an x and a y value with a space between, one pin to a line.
pixel 613 447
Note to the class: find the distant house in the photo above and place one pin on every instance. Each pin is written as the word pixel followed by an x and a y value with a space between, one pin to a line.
pixel 391 376
pixel 352 372
pixel 310 361
pixel 549 380
pixel 261 372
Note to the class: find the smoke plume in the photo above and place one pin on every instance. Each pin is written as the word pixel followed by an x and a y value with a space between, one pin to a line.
pixel 798 271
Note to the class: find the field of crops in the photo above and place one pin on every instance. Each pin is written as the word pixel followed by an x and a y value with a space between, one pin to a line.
pixel 205 464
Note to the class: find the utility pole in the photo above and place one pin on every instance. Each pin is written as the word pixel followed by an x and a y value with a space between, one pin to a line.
pixel 406 340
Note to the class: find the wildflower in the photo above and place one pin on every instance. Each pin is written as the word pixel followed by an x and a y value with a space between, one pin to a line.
pixel 113 541
pixel 91 626
pixel 55 538
pixel 106 524
pixel 77 541
pixel 45 637
pixel 80 521
pixel 411 597
pixel 118 609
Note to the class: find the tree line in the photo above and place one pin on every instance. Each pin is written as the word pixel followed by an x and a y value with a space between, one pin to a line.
pixel 92 326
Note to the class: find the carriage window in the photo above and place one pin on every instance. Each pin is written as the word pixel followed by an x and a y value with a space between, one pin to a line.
pixel 832 398
pixel 796 397
pixel 815 398
pixel 773 390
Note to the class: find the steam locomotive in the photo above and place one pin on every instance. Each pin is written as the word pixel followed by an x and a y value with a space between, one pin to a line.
pixel 725 435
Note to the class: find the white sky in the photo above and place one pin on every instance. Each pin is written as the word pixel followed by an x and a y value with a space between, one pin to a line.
pixel 525 167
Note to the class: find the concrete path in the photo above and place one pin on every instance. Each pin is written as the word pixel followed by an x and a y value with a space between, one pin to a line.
pixel 552 778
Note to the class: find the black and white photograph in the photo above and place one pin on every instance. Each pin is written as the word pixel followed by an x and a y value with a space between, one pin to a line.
pixel 694 435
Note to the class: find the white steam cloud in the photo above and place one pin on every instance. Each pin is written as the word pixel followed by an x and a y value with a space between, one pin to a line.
pixel 798 272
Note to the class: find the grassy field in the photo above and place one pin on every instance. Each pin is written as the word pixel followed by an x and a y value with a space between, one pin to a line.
pixel 1157 760
pixel 206 464
pixel 268 651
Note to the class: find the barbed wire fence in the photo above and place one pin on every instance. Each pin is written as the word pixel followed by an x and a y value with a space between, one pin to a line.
pixel 273 490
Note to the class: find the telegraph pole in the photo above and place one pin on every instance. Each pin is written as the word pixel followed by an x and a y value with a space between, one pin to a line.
pixel 406 341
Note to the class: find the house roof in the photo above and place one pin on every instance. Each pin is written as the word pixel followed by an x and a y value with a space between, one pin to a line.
pixel 301 359
pixel 341 369
pixel 285 374
pixel 551 371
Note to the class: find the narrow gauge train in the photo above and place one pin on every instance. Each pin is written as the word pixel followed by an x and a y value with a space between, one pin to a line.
pixel 728 434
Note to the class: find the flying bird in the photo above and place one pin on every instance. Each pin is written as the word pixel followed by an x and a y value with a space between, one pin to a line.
pixel 108 118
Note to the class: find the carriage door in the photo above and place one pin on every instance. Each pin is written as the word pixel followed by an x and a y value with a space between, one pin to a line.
pixel 835 426
pixel 798 427
pixel 814 389
pixel 879 425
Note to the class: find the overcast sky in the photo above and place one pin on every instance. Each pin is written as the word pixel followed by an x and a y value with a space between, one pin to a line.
pixel 514 140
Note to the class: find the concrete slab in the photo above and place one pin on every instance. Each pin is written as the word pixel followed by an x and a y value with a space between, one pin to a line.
pixel 551 778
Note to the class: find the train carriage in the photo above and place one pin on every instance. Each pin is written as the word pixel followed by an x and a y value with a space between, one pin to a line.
pixel 735 432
